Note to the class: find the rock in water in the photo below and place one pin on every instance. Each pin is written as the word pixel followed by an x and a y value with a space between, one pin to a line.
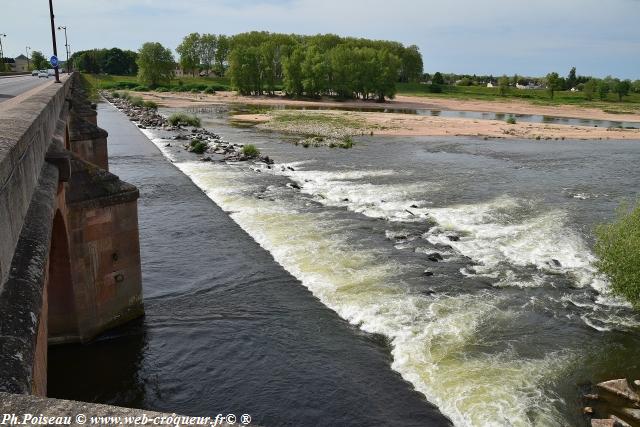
pixel 434 256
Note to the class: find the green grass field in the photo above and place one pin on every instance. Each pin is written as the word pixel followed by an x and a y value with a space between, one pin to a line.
pixel 629 104
pixel 178 84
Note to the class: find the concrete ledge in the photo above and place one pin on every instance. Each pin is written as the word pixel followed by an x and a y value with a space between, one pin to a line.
pixel 21 298
pixel 91 186
pixel 26 131
pixel 19 405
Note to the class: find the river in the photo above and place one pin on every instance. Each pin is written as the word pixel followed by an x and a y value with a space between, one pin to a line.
pixel 471 258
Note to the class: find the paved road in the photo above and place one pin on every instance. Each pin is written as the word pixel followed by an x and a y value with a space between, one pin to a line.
pixel 13 86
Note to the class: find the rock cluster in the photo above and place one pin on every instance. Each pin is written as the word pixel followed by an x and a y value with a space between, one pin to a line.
pixel 198 140
pixel 613 403
pixel 145 117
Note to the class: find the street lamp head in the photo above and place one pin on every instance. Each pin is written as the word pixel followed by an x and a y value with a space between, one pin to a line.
pixel 62 27
pixel 3 35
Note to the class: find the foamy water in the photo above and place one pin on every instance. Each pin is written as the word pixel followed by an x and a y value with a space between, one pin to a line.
pixel 437 338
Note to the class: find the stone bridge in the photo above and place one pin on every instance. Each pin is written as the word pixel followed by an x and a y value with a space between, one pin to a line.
pixel 69 249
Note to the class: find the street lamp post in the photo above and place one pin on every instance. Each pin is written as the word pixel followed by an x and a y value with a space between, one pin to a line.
pixel 1 50
pixel 53 37
pixel 66 44
pixel 28 64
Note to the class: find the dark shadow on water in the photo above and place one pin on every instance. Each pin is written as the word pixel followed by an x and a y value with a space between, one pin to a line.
pixel 105 370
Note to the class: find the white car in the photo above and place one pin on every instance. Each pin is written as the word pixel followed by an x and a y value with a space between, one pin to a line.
pixel 43 73
pixel 35 73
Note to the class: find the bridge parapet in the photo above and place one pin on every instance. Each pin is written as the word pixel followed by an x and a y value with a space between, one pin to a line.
pixel 69 252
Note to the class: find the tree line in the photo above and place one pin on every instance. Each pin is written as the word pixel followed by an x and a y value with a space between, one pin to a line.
pixel 590 87
pixel 113 61
pixel 259 62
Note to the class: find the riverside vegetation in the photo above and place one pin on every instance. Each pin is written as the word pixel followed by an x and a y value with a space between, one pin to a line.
pixel 618 250
pixel 328 129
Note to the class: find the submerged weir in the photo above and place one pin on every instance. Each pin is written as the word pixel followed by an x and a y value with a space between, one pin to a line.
pixel 472 258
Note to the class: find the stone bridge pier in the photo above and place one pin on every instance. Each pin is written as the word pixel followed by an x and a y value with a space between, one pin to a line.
pixel 69 248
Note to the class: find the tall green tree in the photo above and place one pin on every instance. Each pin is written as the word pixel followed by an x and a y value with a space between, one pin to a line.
pixel 386 74
pixel 590 88
pixel 189 51
pixel 622 88
pixel 89 61
pixel 38 61
pixel 572 79
pixel 503 85
pixel 155 64
pixel 342 70
pixel 603 89
pixel 244 70
pixel 222 54
pixel 315 71
pixel 553 83
pixel 208 46
pixel 437 78
pixel 119 62
pixel 292 69
pixel 411 65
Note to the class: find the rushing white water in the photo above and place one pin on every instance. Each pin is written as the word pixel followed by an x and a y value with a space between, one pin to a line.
pixel 429 333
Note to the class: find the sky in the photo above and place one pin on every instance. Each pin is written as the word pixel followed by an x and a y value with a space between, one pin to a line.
pixel 496 37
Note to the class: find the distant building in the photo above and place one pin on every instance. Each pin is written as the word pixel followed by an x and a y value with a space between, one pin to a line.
pixel 529 85
pixel 21 64
pixel 178 71
pixel 489 84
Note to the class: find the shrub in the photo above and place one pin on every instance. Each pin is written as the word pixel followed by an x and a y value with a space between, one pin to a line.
pixel 125 95
pixel 198 146
pixel 125 85
pixel 347 142
pixel 511 120
pixel 195 90
pixel 115 94
pixel 150 104
pixel 141 88
pixel 618 247
pixel 250 151
pixel 136 101
pixel 209 90
pixel 161 89
pixel 182 119
pixel 217 87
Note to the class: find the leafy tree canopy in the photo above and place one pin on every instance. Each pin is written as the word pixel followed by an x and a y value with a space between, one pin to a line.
pixel 155 64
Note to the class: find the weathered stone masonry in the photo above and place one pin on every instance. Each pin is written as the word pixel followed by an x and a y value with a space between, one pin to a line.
pixel 69 249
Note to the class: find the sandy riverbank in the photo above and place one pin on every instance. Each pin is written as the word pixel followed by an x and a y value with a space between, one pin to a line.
pixel 411 125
